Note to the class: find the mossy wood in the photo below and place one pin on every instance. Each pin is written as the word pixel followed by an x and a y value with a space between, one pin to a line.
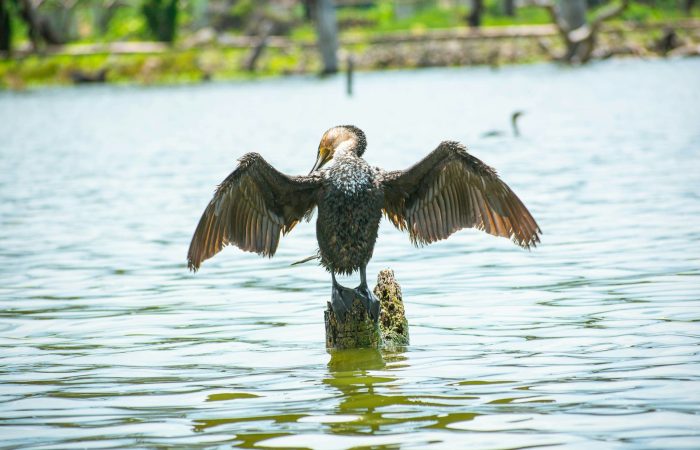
pixel 359 330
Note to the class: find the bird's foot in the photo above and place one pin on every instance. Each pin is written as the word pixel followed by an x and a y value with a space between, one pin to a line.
pixel 342 299
pixel 369 300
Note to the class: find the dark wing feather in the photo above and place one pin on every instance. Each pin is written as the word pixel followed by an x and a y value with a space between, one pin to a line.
pixel 250 209
pixel 449 190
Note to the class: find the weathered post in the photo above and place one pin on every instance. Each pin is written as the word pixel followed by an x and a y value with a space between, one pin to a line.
pixel 359 330
pixel 392 319
pixel 349 76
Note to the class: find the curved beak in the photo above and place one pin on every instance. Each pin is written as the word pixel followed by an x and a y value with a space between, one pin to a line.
pixel 321 159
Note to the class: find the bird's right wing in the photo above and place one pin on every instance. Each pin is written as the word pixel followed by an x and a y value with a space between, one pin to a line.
pixel 449 190
pixel 250 209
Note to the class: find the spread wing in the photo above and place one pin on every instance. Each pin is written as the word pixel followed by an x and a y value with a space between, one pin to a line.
pixel 449 190
pixel 250 209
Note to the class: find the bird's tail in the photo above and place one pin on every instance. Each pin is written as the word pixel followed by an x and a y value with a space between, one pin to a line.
pixel 307 259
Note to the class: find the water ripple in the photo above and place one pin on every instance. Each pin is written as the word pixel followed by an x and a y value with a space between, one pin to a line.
pixel 588 341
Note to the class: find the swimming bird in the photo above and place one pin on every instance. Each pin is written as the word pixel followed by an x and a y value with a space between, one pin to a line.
pixel 513 125
pixel 446 191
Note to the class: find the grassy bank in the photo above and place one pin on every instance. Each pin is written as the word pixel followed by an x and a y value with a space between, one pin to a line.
pixel 170 67
pixel 376 37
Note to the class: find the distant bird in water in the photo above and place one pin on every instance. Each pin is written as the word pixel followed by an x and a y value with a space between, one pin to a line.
pixel 513 124
pixel 446 191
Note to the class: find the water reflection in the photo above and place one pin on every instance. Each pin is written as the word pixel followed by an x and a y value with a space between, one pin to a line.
pixel 349 371
pixel 371 393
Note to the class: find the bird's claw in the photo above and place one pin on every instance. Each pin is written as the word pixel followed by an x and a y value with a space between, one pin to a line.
pixel 342 299
pixel 369 300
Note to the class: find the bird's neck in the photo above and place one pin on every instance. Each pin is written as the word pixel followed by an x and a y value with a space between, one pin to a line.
pixel 346 150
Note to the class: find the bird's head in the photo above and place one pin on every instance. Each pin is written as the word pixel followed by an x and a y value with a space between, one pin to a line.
pixel 343 138
pixel 514 121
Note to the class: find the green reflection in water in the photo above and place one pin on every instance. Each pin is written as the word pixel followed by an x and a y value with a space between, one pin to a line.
pixel 373 398
pixel 229 396
pixel 380 401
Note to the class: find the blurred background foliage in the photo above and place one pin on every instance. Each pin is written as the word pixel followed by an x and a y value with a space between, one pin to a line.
pixel 236 38
pixel 109 20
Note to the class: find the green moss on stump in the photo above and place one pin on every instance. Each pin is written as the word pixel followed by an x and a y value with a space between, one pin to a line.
pixel 359 330
pixel 392 319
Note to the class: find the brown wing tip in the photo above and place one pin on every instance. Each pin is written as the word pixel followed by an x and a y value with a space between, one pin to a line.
pixel 530 242
pixel 191 265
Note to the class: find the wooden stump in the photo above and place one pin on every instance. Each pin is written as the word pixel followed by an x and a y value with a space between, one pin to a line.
pixel 392 319
pixel 360 331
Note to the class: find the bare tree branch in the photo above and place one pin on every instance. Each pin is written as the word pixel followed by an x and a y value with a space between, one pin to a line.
pixel 608 13
pixel 579 41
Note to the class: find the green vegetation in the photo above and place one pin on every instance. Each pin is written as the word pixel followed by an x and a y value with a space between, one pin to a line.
pixel 663 10
pixel 382 17
pixel 177 22
pixel 171 67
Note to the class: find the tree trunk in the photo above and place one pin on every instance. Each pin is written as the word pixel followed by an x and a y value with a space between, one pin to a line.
pixel 359 330
pixel 161 18
pixel 327 35
pixel 474 17
pixel 256 52
pixel 5 28
pixel 688 6
pixel 569 16
pixel 509 7
pixel 57 23
pixel 308 7
pixel 572 13
pixel 28 15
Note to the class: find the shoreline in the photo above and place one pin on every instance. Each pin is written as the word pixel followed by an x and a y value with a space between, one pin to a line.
pixel 203 57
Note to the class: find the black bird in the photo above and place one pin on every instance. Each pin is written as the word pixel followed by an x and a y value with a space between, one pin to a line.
pixel 446 191
pixel 513 124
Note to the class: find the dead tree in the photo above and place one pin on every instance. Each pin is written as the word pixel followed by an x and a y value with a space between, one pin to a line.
pixel 266 29
pixel 474 17
pixel 579 36
pixel 28 15
pixel 45 28
pixel 327 34
pixel 56 21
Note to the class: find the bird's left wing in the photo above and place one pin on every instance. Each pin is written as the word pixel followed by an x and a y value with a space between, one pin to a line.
pixel 449 190
pixel 250 209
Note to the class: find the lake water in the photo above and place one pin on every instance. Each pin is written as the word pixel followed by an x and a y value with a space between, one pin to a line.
pixel 592 340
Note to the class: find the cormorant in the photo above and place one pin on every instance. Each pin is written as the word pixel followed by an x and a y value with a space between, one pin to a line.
pixel 446 191
pixel 513 124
